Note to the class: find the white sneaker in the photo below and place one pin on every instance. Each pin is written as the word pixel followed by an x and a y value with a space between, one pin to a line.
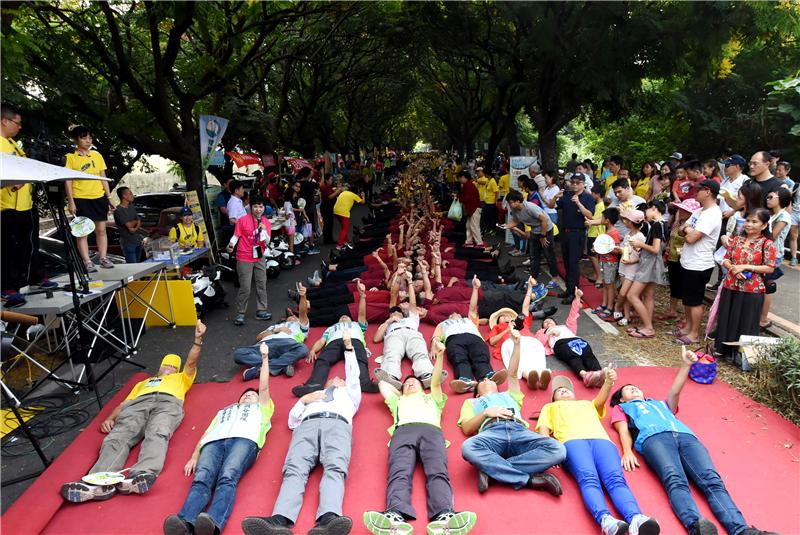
pixel 612 526
pixel 644 525
pixel 527 262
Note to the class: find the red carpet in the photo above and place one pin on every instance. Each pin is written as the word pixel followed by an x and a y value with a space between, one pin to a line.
pixel 754 449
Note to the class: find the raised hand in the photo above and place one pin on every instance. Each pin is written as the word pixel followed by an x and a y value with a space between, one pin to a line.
pixel 687 356
pixel 264 349
pixel 476 282
pixel 199 329
pixel 578 292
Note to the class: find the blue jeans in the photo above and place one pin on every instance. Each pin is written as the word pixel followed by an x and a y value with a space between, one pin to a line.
pixel 282 352
pixel 520 243
pixel 591 461
pixel 221 464
pixel 132 253
pixel 510 453
pixel 673 456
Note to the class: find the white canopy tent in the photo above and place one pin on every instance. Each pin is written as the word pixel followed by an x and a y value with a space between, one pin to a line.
pixel 15 170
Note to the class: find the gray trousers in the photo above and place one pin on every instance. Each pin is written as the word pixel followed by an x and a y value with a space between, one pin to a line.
pixel 324 441
pixel 151 419
pixel 403 342
pixel 247 272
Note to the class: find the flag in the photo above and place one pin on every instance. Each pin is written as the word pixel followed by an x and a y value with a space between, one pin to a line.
pixel 211 131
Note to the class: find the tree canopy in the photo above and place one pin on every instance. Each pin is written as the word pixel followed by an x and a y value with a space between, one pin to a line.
pixel 628 77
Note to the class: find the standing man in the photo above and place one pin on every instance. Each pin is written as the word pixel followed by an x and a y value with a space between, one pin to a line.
pixel 701 232
pixel 470 198
pixel 540 238
pixel 235 207
pixel 574 232
pixel 150 414
pixel 572 164
pixel 729 188
pixel 759 171
pixel 128 224
pixel 322 425
pixel 624 199
pixel 252 234
pixel 308 191
pixel 18 220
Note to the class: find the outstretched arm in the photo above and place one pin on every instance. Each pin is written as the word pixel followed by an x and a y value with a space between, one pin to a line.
pixel 602 396
pixel 437 354
pixel 473 300
pixel 687 359
pixel 513 365
pixel 303 305
pixel 194 354
pixel 263 381
pixel 362 302
pixel 629 461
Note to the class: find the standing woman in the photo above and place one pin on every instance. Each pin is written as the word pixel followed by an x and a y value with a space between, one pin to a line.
pixel 550 195
pixel 327 198
pixel 342 208
pixel 748 259
pixel 89 198
pixel 641 296
pixel 661 184
pixel 779 224
pixel 649 173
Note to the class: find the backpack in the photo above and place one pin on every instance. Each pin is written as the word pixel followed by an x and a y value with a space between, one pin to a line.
pixel 178 234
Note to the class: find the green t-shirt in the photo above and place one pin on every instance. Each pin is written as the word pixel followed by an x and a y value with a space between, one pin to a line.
pixel 415 409
pixel 507 400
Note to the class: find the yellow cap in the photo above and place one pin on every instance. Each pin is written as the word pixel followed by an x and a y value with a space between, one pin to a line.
pixel 171 360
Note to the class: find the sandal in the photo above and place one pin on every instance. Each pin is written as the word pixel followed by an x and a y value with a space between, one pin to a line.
pixel 636 333
pixel 686 341
pixel 598 285
pixel 667 317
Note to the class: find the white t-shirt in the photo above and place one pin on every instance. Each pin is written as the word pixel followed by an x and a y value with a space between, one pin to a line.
pixel 409 322
pixel 459 326
pixel 733 187
pixel 549 193
pixel 336 332
pixel 299 331
pixel 236 208
pixel 559 332
pixel 699 256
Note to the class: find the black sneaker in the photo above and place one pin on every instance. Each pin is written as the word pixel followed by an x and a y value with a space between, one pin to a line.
pixel 294 295
pixel 174 525
pixel 302 390
pixel 266 525
pixel 546 482
pixel 289 371
pixel 338 525
pixel 483 482
pixel 205 525
pixel 703 527
pixel 752 530
pixel 369 387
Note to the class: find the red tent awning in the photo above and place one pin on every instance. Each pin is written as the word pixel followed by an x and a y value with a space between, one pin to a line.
pixel 298 163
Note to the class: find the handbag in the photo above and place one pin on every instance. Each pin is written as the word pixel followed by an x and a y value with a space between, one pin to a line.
pixel 704 370
pixel 456 211
pixel 307 230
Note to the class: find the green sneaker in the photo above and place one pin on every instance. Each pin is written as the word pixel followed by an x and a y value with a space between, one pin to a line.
pixel 452 523
pixel 387 523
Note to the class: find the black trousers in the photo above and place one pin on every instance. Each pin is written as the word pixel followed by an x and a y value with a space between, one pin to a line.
pixel 577 354
pixel 332 353
pixel 320 315
pixel 326 209
pixel 494 300
pixel 468 355
pixel 572 246
pixel 536 255
pixel 426 443
pixel 489 216
pixel 20 247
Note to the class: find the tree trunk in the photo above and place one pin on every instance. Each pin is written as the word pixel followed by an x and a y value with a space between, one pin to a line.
pixel 512 140
pixel 548 149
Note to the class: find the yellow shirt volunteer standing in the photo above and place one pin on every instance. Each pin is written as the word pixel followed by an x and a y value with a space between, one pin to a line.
pixel 89 198
pixel 344 203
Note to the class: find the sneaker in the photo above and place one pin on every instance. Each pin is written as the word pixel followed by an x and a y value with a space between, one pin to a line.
pixel 251 373
pixel 239 320
pixel 383 375
pixel 266 525
pixel 533 379
pixel 544 379
pixel 369 387
pixel 703 527
pixel 294 295
pixel 793 262
pixel 387 523
pixel 452 523
pixel 539 293
pixel 90 267
pixel 264 315
pixel 315 279
pixel 337 525
pixel 544 313
pixel 302 390
pixel 13 298
pixel 599 310
pixel 612 526
pixel 47 283
pixel 526 262
pixel 552 285
pixel 313 250
pixel 205 525
pixel 596 379
pixel 643 525
pixel 499 377
pixel 138 484
pixel 546 482
pixel 463 385
pixel 175 525
pixel 289 371
pixel 425 378
pixel 79 492
pixel 617 315
pixel 106 263
pixel 752 530
pixel 483 482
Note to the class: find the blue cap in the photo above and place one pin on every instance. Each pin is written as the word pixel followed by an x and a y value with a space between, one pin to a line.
pixel 185 211
pixel 736 159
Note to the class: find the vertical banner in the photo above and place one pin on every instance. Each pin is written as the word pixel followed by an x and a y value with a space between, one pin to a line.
pixel 518 166
pixel 193 202
pixel 211 131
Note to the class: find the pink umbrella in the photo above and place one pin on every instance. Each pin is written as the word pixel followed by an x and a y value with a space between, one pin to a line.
pixel 712 312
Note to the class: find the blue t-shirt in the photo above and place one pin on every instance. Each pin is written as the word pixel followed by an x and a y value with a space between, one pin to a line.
pixel 651 417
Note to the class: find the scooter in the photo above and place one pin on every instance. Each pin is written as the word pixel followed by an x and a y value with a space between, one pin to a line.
pixel 207 288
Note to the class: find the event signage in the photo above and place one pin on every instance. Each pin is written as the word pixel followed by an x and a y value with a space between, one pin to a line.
pixel 193 202
pixel 212 129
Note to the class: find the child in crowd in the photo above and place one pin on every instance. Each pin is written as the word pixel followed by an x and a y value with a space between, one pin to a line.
pixel 290 226
pixel 595 229
pixel 676 241
pixel 629 264
pixel 609 263
pixel 641 295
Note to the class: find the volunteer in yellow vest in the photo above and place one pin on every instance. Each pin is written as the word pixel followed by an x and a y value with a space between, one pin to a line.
pixel 150 414
pixel 417 434
pixel 489 213
pixel 18 221
pixel 89 198
pixel 344 203
pixel 227 449
pixel 186 232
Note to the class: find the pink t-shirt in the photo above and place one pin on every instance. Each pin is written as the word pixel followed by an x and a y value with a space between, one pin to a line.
pixel 246 231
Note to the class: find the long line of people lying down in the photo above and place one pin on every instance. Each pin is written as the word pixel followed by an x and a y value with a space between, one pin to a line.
pixel 410 270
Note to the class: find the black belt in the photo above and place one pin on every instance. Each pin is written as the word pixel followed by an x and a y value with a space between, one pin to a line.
pixel 331 415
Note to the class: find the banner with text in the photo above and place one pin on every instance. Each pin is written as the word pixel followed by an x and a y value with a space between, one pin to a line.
pixel 211 131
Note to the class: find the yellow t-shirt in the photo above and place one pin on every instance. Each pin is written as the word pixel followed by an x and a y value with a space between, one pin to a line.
pixel 610 180
pixel 22 198
pixel 176 384
pixel 344 203
pixel 188 237
pixel 94 164
pixel 491 191
pixel 596 230
pixel 480 183
pixel 504 185
pixel 642 187
pixel 572 419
